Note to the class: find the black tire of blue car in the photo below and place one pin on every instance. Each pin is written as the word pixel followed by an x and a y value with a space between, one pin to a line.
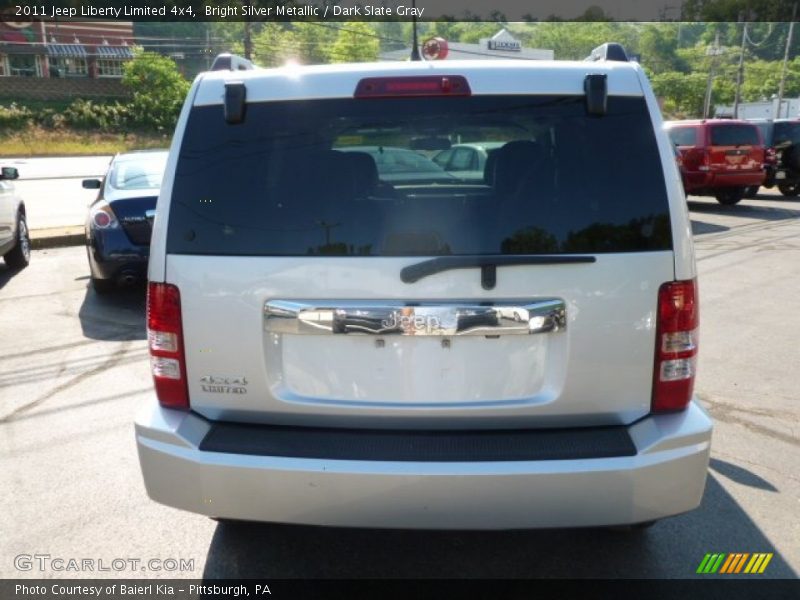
pixel 19 256
pixel 103 286
pixel 730 196
pixel 790 189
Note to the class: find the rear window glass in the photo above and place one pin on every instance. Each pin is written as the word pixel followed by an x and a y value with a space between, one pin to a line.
pixel 765 128
pixel 138 173
pixel 346 177
pixel 787 133
pixel 683 136
pixel 734 135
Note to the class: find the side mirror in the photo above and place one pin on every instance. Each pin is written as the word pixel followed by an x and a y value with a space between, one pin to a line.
pixel 9 173
pixel 92 184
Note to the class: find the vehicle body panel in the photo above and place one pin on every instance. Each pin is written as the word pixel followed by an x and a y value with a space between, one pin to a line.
pixel 665 477
pixel 592 372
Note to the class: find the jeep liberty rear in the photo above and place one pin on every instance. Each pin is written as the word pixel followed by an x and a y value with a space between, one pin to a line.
pixel 330 307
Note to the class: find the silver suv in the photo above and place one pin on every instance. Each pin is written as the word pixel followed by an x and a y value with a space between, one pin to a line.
pixel 336 346
pixel 15 243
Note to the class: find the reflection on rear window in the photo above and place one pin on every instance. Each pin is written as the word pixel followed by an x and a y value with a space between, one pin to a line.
pixel 734 135
pixel 683 136
pixel 349 178
pixel 138 173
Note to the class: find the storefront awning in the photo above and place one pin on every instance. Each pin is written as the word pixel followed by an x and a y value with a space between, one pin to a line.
pixel 66 51
pixel 118 52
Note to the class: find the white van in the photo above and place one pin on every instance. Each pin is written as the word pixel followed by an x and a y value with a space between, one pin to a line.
pixel 339 339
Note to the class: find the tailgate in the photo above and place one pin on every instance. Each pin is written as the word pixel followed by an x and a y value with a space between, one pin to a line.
pixel 575 355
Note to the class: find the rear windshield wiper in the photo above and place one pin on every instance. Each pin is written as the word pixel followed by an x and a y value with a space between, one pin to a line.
pixel 488 265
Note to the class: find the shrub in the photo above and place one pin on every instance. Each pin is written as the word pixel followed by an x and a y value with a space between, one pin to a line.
pixel 158 90
pixel 14 116
pixel 85 114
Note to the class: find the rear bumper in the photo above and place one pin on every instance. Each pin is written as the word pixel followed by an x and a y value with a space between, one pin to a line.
pixel 112 254
pixel 665 477
pixel 707 181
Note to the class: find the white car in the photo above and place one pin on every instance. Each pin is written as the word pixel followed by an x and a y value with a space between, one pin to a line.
pixel 466 161
pixel 15 243
pixel 333 348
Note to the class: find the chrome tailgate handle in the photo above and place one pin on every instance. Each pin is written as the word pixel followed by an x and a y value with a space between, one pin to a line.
pixel 423 319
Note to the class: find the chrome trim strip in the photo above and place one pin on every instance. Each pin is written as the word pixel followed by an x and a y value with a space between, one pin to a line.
pixel 422 319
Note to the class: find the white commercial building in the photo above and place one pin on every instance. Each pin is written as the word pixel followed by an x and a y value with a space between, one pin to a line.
pixel 501 45
pixel 768 109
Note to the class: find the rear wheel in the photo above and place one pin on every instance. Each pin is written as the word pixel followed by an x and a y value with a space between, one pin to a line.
pixel 751 192
pixel 730 196
pixel 790 190
pixel 19 256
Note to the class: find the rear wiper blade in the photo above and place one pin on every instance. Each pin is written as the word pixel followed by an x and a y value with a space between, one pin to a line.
pixel 488 264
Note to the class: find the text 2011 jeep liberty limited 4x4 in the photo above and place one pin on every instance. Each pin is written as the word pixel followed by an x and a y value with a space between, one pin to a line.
pixel 343 333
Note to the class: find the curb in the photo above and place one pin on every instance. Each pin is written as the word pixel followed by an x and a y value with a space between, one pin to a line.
pixel 57 237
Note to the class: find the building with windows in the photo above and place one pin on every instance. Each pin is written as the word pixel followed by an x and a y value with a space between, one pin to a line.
pixel 501 45
pixel 93 49
pixel 63 59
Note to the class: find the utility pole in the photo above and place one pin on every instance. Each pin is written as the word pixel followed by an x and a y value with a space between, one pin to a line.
pixel 248 34
pixel 208 48
pixel 785 60
pixel 712 51
pixel 740 74
pixel 415 42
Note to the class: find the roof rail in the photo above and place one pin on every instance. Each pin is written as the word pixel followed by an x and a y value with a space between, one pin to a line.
pixel 609 51
pixel 231 62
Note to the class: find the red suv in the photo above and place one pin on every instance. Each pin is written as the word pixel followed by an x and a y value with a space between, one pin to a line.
pixel 719 157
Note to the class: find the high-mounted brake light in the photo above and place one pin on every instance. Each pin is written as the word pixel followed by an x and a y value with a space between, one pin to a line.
pixel 427 85
pixel 676 346
pixel 165 339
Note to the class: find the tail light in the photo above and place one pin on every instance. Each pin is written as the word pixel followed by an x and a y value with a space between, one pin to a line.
pixel 165 339
pixel 102 217
pixel 676 346
pixel 705 161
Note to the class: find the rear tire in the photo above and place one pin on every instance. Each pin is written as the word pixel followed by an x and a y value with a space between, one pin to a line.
pixel 730 196
pixel 19 256
pixel 790 190
pixel 103 287
pixel 751 192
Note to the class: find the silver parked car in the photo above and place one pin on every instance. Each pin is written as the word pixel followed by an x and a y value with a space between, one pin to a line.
pixel 331 346
pixel 15 243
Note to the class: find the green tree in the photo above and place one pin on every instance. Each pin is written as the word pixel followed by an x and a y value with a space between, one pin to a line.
pixel 355 42
pixel 683 93
pixel 158 90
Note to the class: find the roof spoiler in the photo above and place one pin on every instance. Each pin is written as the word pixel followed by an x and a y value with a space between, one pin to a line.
pixel 608 51
pixel 231 62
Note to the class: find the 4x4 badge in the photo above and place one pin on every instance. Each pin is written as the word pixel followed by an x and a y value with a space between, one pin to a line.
pixel 223 385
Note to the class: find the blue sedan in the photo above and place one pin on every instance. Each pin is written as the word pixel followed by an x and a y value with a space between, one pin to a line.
pixel 119 222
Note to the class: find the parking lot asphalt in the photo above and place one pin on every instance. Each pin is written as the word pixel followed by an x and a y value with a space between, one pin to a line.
pixel 74 369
